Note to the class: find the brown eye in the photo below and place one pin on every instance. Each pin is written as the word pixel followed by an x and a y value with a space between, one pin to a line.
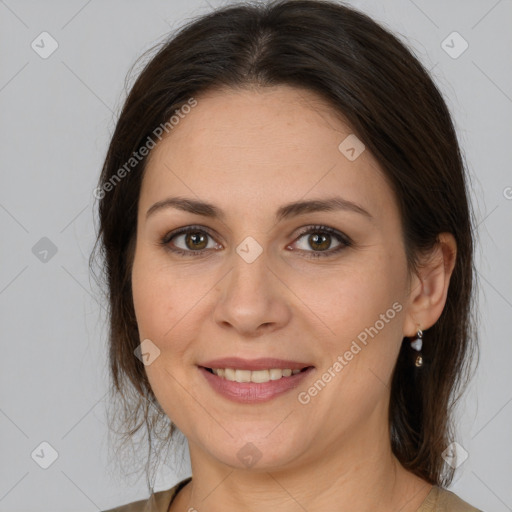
pixel 317 241
pixel 196 240
pixel 190 241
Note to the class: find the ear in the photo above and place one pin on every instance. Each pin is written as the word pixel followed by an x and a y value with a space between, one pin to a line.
pixel 429 286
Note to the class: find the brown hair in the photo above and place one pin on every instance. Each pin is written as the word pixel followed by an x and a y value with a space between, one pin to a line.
pixel 391 104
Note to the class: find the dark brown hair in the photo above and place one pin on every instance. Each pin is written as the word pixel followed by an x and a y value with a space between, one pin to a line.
pixel 370 78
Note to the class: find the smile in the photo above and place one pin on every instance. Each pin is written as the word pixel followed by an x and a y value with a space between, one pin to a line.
pixel 253 386
pixel 258 376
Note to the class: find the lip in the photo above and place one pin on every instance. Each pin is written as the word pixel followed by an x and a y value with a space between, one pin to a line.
pixel 264 363
pixel 253 392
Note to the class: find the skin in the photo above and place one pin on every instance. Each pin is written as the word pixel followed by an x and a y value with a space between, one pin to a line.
pixel 249 152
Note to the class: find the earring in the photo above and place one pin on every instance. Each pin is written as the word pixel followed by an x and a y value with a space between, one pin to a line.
pixel 416 344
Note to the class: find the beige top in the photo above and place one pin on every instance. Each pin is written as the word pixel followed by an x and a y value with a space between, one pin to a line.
pixel 437 500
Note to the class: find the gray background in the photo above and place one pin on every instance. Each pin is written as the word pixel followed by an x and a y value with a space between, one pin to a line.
pixel 56 118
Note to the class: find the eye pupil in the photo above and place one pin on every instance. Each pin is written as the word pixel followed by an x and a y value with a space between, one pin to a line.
pixel 198 240
pixel 321 241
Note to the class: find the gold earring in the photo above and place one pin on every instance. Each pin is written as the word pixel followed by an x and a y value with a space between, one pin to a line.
pixel 416 344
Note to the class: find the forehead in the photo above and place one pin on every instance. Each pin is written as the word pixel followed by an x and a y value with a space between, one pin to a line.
pixel 262 145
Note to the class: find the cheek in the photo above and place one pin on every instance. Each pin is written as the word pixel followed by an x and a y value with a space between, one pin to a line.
pixel 168 300
pixel 363 304
pixel 156 295
pixel 355 298
pixel 161 303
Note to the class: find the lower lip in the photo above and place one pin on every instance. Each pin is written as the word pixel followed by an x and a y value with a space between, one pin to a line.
pixel 253 392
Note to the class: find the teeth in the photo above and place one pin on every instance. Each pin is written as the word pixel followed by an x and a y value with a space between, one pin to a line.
pixel 259 376
pixel 243 375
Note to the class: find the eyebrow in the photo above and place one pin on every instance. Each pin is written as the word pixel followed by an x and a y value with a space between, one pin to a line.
pixel 284 212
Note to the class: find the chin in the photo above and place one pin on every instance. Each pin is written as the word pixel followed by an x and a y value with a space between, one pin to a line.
pixel 256 452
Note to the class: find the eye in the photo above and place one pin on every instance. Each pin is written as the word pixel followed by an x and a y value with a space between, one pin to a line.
pixel 195 240
pixel 189 241
pixel 320 239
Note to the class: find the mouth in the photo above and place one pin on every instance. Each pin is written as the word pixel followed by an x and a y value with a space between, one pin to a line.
pixel 260 380
pixel 256 376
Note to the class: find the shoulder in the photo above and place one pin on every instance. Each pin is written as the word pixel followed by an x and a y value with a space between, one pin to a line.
pixel 157 502
pixel 443 500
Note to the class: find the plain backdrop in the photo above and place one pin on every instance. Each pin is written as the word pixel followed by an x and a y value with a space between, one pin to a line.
pixel 57 114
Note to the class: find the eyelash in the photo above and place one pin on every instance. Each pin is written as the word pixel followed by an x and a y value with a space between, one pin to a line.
pixel 344 240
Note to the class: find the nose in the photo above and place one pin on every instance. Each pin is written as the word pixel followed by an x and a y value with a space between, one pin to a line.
pixel 252 300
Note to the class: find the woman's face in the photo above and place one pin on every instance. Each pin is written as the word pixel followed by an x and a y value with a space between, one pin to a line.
pixel 324 290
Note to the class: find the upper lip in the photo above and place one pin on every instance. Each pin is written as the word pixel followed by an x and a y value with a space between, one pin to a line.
pixel 263 363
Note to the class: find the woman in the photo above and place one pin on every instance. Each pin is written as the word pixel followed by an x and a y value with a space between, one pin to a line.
pixel 288 252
